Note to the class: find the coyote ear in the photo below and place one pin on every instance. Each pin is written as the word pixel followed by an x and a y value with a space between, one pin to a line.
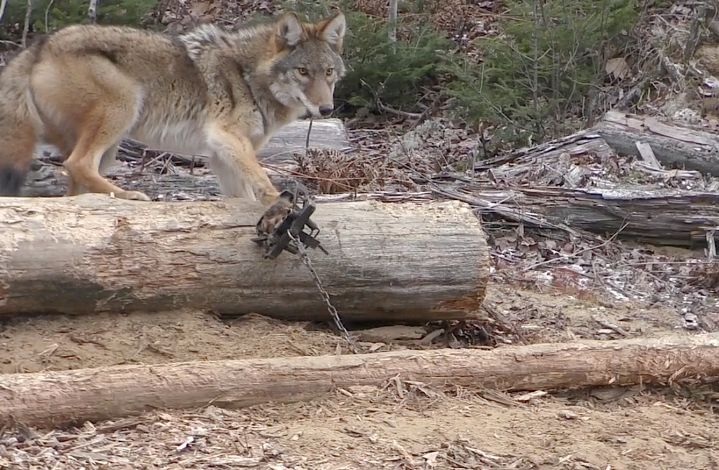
pixel 333 31
pixel 290 30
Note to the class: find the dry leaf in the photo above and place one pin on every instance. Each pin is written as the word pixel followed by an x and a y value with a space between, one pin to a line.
pixel 617 67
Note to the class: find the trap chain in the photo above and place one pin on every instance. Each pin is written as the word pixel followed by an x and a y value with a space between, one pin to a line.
pixel 283 229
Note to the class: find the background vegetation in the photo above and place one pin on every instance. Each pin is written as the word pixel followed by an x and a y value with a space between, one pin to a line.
pixel 532 81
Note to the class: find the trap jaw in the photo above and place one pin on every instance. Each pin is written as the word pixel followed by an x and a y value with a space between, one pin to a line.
pixel 290 230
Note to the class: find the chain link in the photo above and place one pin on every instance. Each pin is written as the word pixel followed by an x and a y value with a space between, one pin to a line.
pixel 323 292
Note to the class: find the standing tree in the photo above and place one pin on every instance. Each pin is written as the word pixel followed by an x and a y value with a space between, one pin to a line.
pixel 92 11
pixel 393 24
pixel 3 5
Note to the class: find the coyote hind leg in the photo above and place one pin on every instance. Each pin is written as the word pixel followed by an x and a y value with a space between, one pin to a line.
pixel 84 161
pixel 17 146
pixel 109 108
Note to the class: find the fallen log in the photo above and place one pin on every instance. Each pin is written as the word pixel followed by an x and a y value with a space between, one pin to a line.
pixel 72 397
pixel 390 262
pixel 674 146
pixel 660 217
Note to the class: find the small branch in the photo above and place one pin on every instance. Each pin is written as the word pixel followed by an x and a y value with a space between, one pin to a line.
pixel 47 12
pixel 398 112
pixel 610 326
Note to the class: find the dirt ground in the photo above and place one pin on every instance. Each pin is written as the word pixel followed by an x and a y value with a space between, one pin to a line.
pixel 363 427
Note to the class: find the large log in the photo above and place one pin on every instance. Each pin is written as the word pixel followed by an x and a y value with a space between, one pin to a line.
pixel 72 397
pixel 394 262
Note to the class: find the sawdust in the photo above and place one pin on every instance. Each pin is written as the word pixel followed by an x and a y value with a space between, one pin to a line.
pixel 61 342
pixel 372 428
pixel 363 427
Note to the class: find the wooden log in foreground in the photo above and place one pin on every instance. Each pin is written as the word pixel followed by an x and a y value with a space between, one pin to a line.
pixel 393 262
pixel 71 397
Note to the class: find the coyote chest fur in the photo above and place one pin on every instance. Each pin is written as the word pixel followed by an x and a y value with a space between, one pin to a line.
pixel 210 92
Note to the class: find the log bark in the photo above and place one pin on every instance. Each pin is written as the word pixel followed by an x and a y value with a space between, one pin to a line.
pixel 390 262
pixel 72 397
pixel 668 217
pixel 674 146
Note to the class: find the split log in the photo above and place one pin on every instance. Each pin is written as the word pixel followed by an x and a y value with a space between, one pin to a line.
pixel 325 134
pixel 389 262
pixel 666 217
pixel 328 134
pixel 72 397
pixel 674 146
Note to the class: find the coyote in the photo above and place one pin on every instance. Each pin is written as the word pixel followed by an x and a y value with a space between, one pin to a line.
pixel 206 92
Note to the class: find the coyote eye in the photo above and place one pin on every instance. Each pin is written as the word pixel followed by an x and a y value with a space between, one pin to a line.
pixel 330 71
pixel 302 71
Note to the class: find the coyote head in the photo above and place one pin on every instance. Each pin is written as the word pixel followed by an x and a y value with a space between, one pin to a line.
pixel 307 63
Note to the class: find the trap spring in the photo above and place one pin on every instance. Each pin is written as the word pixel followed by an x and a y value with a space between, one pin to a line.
pixel 283 227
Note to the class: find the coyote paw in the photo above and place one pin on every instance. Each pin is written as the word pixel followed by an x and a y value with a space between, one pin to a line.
pixel 276 213
pixel 132 196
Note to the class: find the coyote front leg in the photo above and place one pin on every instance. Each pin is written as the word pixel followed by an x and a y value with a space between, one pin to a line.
pixel 235 164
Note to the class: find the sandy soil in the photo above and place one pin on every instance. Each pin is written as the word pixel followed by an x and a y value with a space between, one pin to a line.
pixel 366 427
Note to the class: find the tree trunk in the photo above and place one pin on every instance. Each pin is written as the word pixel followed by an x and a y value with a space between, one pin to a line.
pixel 92 11
pixel 393 262
pixel 72 397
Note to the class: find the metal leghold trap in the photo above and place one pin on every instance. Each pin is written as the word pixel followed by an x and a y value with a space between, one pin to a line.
pixel 283 226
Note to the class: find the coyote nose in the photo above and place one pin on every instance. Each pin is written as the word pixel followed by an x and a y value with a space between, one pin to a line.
pixel 326 109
